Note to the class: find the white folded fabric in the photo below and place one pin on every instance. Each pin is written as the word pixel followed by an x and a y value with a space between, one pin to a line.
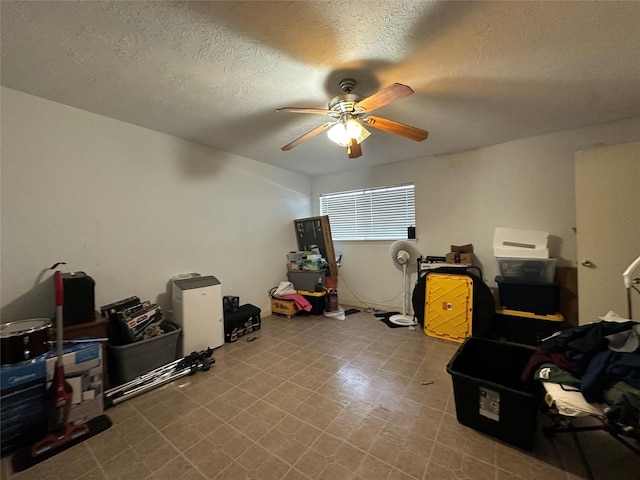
pixel 570 402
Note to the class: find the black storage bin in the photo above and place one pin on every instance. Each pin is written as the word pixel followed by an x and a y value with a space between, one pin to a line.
pixel 534 297
pixel 489 395
pixel 244 320
pixel 525 327
pixel 317 301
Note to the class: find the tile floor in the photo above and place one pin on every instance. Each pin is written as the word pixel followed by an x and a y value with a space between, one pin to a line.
pixel 321 399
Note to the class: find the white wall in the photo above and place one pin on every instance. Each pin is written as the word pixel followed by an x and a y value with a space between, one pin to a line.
pixel 132 207
pixel 461 198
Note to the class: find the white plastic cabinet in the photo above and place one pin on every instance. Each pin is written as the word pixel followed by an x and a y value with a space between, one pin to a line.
pixel 197 308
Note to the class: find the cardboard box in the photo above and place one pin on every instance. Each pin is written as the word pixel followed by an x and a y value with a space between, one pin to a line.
pixel 517 243
pixel 567 278
pixel 283 307
pixel 460 254
pixel 23 409
pixel 83 371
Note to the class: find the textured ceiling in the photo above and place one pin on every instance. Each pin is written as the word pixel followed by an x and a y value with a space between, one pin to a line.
pixel 214 72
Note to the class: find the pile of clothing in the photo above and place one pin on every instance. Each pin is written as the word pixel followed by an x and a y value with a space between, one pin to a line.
pixel 601 360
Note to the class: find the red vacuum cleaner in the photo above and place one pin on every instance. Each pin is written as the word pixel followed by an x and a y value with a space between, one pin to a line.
pixel 60 393
pixel 62 434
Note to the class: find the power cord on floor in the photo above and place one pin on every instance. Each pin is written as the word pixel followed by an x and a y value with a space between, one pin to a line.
pixel 366 301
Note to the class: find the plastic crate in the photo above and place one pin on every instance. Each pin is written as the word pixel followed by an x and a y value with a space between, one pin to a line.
pixel 127 362
pixel 309 280
pixel 489 395
pixel 541 270
pixel 280 306
pixel 537 298
pixel 317 301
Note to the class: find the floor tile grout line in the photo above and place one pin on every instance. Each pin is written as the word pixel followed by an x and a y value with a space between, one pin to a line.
pixel 304 421
pixel 346 441
pixel 181 454
pixel 245 355
pixel 98 462
pixel 380 368
pixel 161 434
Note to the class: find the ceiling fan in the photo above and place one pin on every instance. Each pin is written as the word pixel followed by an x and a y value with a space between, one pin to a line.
pixel 351 111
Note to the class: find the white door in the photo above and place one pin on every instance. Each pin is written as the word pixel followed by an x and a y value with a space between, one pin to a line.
pixel 608 228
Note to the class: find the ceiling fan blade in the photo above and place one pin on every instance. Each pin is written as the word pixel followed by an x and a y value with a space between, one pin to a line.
pixel 398 128
pixel 354 150
pixel 308 135
pixel 318 111
pixel 385 96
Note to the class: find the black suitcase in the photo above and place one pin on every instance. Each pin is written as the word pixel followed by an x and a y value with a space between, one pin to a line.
pixel 244 320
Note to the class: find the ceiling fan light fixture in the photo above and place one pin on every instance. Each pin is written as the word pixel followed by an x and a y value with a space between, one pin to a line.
pixel 350 113
pixel 338 134
pixel 357 131
pixel 342 132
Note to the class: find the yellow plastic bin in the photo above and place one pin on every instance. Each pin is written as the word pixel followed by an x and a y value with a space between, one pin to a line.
pixel 316 299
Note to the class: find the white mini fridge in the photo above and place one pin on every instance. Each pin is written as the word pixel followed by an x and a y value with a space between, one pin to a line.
pixel 197 308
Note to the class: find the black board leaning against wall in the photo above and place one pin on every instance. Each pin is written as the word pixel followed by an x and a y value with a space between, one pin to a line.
pixel 317 231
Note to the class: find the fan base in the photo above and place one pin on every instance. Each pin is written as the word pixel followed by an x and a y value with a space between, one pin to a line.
pixel 404 320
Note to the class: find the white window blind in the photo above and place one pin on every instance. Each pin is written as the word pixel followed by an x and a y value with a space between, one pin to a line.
pixel 375 214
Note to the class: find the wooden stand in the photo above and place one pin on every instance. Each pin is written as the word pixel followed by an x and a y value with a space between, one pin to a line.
pixel 283 307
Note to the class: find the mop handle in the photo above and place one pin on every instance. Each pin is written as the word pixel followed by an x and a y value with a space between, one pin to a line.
pixel 57 276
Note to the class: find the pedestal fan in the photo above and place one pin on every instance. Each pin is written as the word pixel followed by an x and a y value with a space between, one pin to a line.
pixel 403 253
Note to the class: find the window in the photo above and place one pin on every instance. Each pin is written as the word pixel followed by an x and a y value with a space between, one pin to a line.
pixel 375 214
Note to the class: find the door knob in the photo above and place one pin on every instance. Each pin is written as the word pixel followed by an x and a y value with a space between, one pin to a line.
pixel 588 264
